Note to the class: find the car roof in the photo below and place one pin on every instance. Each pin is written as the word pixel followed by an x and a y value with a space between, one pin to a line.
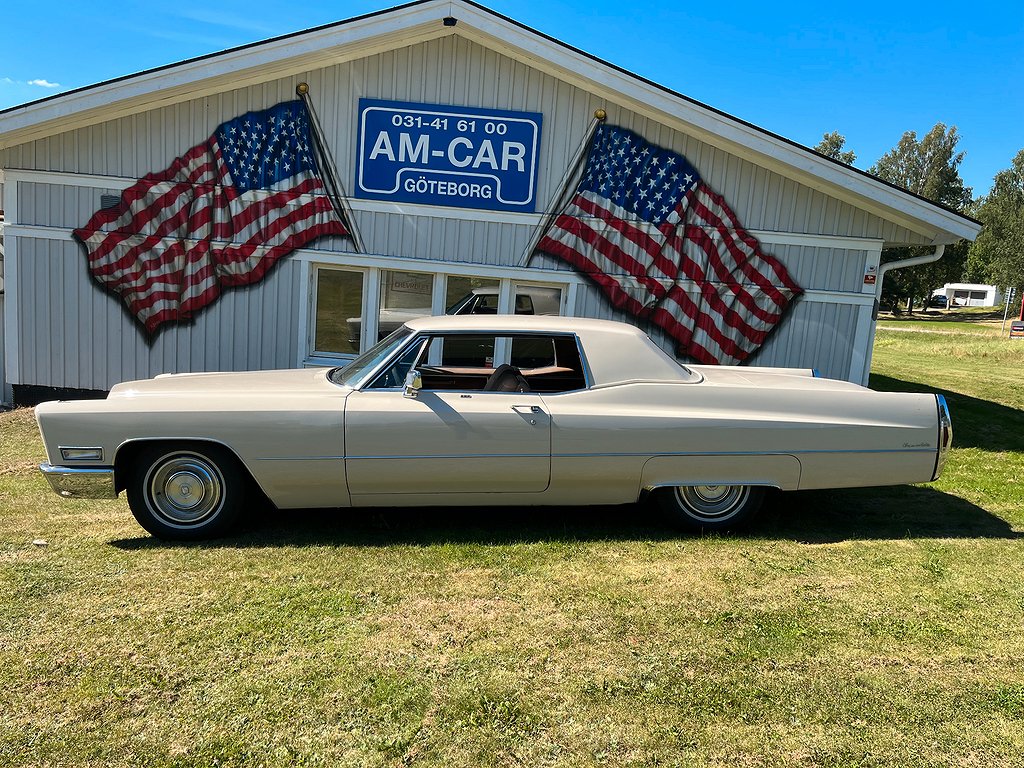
pixel 532 323
pixel 615 352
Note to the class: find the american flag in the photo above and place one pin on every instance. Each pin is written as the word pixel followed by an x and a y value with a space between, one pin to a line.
pixel 220 216
pixel 664 247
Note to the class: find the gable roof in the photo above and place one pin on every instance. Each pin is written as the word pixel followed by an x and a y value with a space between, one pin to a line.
pixel 424 20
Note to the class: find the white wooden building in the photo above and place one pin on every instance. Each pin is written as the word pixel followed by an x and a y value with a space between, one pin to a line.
pixel 60 156
pixel 970 295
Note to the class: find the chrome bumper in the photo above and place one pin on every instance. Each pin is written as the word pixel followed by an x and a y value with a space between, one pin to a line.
pixel 945 435
pixel 80 482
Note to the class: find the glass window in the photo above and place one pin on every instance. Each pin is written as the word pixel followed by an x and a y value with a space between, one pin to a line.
pixel 403 296
pixel 371 358
pixel 471 295
pixel 339 308
pixel 538 300
pixel 394 375
pixel 532 352
pixel 461 351
pixel 468 362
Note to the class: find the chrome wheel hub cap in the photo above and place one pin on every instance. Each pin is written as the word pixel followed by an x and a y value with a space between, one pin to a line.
pixel 185 490
pixel 712 502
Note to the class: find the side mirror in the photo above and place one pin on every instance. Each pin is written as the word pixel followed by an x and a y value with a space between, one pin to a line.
pixel 413 383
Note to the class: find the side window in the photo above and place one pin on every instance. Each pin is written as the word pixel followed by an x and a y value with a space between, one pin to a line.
pixel 549 364
pixel 533 351
pixel 461 351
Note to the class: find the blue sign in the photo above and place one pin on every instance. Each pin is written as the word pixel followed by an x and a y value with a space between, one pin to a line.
pixel 456 156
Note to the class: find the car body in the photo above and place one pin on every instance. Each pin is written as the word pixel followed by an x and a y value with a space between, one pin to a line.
pixel 530 300
pixel 488 410
pixel 939 300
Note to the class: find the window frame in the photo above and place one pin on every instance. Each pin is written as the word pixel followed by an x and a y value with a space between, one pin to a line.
pixel 372 267
pixel 365 383
pixel 313 352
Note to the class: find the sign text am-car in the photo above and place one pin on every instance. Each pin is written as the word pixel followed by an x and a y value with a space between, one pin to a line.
pixel 441 155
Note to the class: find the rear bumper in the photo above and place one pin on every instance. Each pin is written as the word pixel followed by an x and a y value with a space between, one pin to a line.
pixel 81 482
pixel 945 437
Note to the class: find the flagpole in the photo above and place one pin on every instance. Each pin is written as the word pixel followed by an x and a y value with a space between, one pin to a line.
pixel 337 191
pixel 558 201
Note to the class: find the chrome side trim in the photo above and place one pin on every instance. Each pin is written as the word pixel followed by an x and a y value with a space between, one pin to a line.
pixel 298 458
pixel 741 453
pixel 629 455
pixel 588 376
pixel 459 456
pixel 80 482
pixel 730 482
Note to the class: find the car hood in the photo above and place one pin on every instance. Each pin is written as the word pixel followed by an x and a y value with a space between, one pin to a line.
pixel 764 378
pixel 264 382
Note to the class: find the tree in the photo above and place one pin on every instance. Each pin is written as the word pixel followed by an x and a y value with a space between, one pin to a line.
pixel 997 255
pixel 831 145
pixel 929 167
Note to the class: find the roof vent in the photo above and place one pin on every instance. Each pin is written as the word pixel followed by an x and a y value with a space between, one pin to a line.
pixel 449 21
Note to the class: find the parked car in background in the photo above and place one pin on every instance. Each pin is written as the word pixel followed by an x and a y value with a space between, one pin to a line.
pixel 939 300
pixel 487 410
pixel 530 300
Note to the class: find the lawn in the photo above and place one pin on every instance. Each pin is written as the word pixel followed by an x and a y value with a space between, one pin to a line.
pixel 847 628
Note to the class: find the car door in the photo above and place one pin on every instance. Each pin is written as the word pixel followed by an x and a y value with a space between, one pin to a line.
pixel 447 440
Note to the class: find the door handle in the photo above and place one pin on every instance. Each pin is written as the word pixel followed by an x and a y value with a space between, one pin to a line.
pixel 526 409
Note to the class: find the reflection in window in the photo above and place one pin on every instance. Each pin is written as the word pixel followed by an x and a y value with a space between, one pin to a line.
pixel 471 295
pixel 538 300
pixel 339 301
pixel 403 296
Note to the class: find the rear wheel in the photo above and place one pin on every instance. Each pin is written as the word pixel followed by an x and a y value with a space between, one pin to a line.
pixel 186 493
pixel 710 507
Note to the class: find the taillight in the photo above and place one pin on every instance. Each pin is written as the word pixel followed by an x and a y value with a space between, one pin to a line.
pixel 945 435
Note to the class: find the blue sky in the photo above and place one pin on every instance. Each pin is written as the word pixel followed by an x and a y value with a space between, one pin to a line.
pixel 870 70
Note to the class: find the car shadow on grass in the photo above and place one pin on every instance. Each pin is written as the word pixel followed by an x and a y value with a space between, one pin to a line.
pixel 891 512
pixel 813 517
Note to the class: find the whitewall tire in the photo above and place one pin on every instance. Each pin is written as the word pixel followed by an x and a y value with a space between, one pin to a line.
pixel 707 508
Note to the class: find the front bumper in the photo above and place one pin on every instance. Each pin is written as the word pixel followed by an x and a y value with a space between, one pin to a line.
pixel 81 482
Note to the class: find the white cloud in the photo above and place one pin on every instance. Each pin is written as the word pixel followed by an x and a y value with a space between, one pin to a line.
pixel 7 81
pixel 43 83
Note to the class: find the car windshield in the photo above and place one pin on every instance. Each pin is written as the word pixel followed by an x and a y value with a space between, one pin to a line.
pixel 369 360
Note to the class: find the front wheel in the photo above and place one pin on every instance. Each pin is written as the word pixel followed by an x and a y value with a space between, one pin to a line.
pixel 710 507
pixel 186 493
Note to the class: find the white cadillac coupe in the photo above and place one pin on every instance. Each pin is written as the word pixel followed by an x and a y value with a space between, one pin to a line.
pixel 486 410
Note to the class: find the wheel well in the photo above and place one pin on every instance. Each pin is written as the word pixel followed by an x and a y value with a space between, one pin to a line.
pixel 128 452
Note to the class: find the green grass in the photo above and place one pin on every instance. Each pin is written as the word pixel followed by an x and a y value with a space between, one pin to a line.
pixel 847 628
